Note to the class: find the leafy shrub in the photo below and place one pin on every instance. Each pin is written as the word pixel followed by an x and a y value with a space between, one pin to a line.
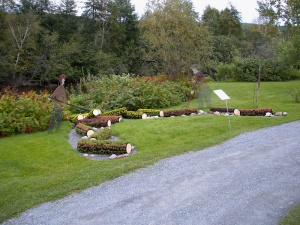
pixel 248 70
pixel 133 115
pixel 133 93
pixel 24 113
pixel 102 134
pixel 115 112
pixel 149 112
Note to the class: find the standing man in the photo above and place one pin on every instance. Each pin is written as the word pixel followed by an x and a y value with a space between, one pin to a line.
pixel 203 88
pixel 59 96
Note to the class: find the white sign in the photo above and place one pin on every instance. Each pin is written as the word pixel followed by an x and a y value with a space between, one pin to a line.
pixel 221 94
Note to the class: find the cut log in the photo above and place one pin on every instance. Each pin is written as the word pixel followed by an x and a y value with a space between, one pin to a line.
pixel 128 148
pixel 161 113
pixel 80 117
pixel 97 112
pixel 90 133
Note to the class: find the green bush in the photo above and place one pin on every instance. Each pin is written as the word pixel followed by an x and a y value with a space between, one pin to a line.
pixel 102 134
pixel 24 113
pixel 248 70
pixel 112 92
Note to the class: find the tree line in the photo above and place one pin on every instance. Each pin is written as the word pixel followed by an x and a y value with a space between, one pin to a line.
pixel 40 39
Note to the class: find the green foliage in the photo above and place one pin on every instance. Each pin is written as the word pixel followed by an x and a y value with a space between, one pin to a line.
pixel 133 115
pixel 150 112
pixel 102 134
pixel 173 38
pixel 248 70
pixel 226 72
pixel 24 113
pixel 115 112
pixel 114 92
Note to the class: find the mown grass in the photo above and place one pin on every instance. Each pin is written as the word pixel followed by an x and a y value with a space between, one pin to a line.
pixel 41 167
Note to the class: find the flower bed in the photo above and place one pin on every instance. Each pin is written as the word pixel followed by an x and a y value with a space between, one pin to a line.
pixel 101 121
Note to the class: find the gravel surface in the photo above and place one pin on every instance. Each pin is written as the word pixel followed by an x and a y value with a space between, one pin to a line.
pixel 253 178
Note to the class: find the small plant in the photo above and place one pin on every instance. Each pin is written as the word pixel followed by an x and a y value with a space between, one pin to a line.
pixel 102 134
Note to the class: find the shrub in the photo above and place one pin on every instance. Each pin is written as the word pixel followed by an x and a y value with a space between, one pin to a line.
pixel 102 134
pixel 24 113
pixel 149 112
pixel 133 93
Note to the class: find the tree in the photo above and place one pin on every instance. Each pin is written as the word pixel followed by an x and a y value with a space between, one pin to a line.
pixel 230 22
pixel 211 18
pixel 287 12
pixel 23 32
pixel 172 37
pixel 67 7
pixel 278 11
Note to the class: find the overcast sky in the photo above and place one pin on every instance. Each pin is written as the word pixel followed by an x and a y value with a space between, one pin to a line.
pixel 247 8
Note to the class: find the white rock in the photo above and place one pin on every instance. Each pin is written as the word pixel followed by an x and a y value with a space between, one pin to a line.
pixel 113 156
pixel 85 137
pixel 268 114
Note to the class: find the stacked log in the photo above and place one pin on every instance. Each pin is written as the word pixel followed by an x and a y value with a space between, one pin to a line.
pixel 103 147
pixel 255 112
pixel 179 112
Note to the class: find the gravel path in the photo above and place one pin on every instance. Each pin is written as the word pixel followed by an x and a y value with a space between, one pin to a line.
pixel 253 178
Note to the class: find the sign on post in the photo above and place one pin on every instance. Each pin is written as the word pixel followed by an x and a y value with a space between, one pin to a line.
pixel 224 97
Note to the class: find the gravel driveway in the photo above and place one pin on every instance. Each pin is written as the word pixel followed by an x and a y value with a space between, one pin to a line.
pixel 253 178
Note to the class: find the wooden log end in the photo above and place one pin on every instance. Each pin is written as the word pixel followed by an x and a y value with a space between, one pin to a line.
pixel 128 148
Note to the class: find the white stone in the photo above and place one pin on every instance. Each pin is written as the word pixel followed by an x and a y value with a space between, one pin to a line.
pixel 268 114
pixel 113 156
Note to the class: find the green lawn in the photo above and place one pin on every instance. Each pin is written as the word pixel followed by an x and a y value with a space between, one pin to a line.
pixel 41 167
